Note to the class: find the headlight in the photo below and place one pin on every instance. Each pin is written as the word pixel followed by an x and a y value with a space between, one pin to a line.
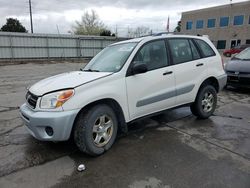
pixel 56 99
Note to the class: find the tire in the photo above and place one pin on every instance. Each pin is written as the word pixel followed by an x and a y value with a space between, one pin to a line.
pixel 205 102
pixel 96 130
pixel 192 108
pixel 228 55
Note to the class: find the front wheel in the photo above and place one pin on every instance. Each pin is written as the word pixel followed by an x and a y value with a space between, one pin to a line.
pixel 95 130
pixel 205 102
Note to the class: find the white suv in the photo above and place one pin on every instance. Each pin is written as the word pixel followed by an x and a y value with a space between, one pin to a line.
pixel 125 81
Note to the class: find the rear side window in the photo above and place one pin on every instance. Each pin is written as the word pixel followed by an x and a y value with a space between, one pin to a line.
pixel 206 50
pixel 180 50
pixel 195 52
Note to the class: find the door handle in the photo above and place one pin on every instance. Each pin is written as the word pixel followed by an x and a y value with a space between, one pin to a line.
pixel 199 64
pixel 168 72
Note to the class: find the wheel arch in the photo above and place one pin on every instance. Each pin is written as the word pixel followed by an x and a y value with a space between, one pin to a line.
pixel 210 81
pixel 122 125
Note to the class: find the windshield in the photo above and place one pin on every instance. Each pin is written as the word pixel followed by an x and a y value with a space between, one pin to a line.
pixel 111 58
pixel 244 55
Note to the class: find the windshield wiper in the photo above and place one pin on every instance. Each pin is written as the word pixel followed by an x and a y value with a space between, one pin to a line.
pixel 90 70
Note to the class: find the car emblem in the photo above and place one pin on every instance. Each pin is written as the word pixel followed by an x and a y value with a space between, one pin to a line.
pixel 237 73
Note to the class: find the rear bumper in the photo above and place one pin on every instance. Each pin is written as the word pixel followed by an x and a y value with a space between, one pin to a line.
pixel 60 122
pixel 222 81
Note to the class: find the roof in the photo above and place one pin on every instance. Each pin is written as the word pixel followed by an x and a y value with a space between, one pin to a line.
pixel 149 38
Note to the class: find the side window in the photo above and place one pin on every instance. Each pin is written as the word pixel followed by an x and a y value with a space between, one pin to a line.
pixel 195 52
pixel 153 54
pixel 205 48
pixel 180 50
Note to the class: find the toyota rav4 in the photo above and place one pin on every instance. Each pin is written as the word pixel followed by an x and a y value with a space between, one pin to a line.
pixel 126 81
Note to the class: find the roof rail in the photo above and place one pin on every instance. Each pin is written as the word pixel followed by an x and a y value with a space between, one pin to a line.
pixel 162 33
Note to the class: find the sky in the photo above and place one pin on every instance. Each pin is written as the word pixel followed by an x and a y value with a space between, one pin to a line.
pixel 59 16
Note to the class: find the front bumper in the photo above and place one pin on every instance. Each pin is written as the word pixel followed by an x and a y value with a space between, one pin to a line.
pixel 60 122
pixel 241 80
pixel 222 81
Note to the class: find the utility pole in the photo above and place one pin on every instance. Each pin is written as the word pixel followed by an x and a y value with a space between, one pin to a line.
pixel 31 22
pixel 116 31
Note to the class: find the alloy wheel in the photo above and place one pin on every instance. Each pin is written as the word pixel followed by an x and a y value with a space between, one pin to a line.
pixel 102 130
pixel 207 102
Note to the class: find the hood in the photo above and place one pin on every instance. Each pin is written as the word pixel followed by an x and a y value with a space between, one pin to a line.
pixel 65 81
pixel 238 66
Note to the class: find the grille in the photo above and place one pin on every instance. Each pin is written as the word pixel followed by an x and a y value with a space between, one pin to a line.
pixel 239 80
pixel 233 79
pixel 245 81
pixel 31 99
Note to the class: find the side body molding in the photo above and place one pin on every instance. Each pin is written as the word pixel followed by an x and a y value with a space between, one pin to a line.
pixel 164 96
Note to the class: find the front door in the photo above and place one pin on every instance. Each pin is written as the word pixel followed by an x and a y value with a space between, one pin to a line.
pixel 235 43
pixel 154 90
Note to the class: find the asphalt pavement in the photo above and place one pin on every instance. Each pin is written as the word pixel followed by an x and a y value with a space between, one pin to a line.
pixel 170 150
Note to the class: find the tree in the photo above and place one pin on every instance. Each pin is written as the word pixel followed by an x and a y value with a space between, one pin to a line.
pixel 178 27
pixel 105 33
pixel 90 24
pixel 13 25
pixel 138 32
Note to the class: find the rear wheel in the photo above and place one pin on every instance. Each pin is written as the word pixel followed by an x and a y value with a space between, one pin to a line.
pixel 205 102
pixel 95 130
pixel 192 108
pixel 228 55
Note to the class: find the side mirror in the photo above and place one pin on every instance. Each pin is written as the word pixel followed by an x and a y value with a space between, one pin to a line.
pixel 139 67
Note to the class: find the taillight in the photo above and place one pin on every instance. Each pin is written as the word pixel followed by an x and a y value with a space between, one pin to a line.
pixel 222 62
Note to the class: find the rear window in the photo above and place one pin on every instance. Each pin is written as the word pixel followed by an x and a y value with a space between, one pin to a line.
pixel 206 50
pixel 244 47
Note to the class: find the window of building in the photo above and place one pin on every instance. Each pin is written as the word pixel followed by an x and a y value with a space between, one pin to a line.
pixel 211 23
pixel 206 50
pixel 180 50
pixel 238 20
pixel 189 25
pixel 224 21
pixel 199 24
pixel 249 20
pixel 221 44
pixel 248 41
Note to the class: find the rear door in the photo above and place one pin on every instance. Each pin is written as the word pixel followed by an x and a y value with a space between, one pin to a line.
pixel 189 68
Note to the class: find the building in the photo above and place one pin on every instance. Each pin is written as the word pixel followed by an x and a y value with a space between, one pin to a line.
pixel 227 26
